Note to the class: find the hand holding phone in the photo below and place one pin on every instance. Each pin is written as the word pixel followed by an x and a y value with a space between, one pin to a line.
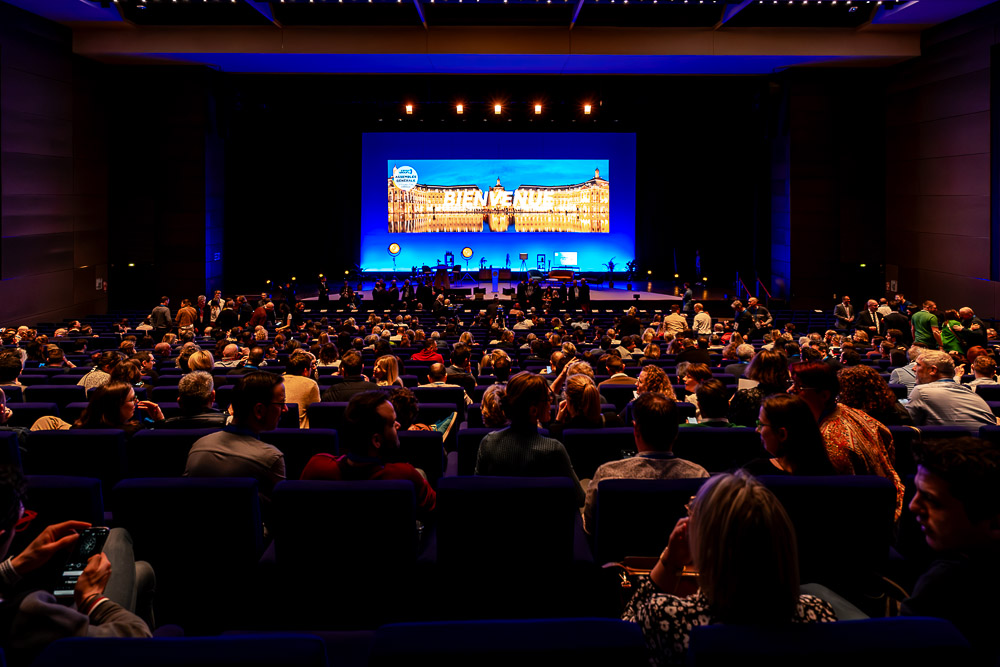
pixel 88 546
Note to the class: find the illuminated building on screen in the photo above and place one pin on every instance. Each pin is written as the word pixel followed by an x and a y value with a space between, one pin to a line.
pixel 582 207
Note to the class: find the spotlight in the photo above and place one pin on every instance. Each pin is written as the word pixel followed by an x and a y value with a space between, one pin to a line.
pixel 586 109
pixel 497 109
pixel 677 275
pixel 649 272
pixel 393 249
pixel 538 109
pixel 409 109
pixel 459 109
pixel 467 252
pixel 267 282
pixel 321 275
pixel 131 263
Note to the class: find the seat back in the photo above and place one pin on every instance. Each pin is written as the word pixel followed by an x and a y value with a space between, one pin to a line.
pixel 902 640
pixel 719 449
pixel 162 452
pixel 96 453
pixel 57 499
pixel 299 445
pixel 26 414
pixel 295 650
pixel 424 450
pixel 203 538
pixel 326 415
pixel 580 642
pixel 635 516
pixel 61 395
pixel 589 448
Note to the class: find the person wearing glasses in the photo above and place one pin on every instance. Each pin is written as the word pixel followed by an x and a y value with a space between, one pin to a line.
pixel 258 401
pixel 742 544
pixel 114 406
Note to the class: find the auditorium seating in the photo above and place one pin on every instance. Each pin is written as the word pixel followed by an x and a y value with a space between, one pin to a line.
pixel 927 642
pixel 203 538
pixel 96 453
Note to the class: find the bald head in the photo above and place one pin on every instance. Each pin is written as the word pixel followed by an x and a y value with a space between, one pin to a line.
pixel 436 372
pixel 230 351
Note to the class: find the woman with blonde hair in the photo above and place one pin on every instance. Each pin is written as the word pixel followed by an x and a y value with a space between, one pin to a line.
pixel 386 371
pixel 651 379
pixel 742 544
pixel 201 360
pixel 492 407
pixel 581 408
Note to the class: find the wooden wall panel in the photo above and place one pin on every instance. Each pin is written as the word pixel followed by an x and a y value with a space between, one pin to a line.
pixel 53 174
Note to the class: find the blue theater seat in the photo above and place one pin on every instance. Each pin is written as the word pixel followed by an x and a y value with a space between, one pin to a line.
pixel 96 453
pixel 299 445
pixel 162 452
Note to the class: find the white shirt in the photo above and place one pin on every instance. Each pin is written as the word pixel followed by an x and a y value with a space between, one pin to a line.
pixel 703 323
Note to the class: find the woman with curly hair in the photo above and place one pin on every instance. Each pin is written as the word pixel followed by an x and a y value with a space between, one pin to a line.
pixel 770 370
pixel 863 388
pixel 651 379
pixel 492 406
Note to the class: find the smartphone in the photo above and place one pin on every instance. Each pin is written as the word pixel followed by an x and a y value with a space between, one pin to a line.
pixel 548 370
pixel 692 420
pixel 91 542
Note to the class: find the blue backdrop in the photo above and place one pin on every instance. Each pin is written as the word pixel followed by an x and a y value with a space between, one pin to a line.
pixel 614 154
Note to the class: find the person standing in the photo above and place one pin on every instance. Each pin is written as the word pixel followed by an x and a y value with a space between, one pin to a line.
pixel 844 313
pixel 161 319
pixel 924 326
pixel 323 294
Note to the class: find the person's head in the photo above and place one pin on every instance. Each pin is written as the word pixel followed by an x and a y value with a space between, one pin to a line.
pixel 984 366
pixel 351 364
pixel 111 406
pixel 201 360
pixel 614 364
pixel 816 383
pixel 299 362
pixel 10 367
pixel 492 406
pixel 654 422
pixel 258 401
pixel 406 405
pixel 501 367
pixel 386 370
pixel 527 400
pixel 230 352
pixel 694 375
pixel 930 306
pixel 195 392
pixel 460 356
pixel 129 372
pixel 745 352
pixel 743 544
pixel 370 425
pixel 789 432
pixel 108 360
pixel 863 388
pixel 957 503
pixel 582 398
pixel 654 379
pixel 934 365
pixel 737 306
pixel 847 300
pixel 713 399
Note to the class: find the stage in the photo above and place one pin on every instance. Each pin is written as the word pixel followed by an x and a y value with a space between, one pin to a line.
pixel 652 297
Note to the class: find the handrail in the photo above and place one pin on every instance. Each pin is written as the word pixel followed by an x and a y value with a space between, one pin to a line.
pixel 759 282
pixel 743 285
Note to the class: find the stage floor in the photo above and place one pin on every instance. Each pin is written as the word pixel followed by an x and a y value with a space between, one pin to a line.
pixel 597 292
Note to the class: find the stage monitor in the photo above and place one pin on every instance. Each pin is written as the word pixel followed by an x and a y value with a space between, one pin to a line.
pixel 564 258
pixel 501 194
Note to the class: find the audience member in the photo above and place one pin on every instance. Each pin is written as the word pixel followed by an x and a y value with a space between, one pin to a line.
pixel 862 388
pixel 300 387
pixel 519 450
pixel 790 434
pixel 742 543
pixel 939 400
pixel 196 400
pixel 353 381
pixel 655 430
pixel 371 439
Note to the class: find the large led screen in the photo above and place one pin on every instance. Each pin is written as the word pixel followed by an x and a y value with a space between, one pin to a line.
pixel 561 199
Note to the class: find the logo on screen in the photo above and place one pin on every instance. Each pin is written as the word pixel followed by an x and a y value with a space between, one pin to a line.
pixel 404 177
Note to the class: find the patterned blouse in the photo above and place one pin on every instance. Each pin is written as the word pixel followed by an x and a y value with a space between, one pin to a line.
pixel 666 620
pixel 857 444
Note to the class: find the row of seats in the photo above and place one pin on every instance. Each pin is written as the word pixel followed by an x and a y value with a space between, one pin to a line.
pixel 584 642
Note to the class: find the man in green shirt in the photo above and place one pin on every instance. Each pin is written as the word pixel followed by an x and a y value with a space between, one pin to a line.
pixel 925 326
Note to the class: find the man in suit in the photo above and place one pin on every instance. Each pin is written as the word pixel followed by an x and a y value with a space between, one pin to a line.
pixel 407 294
pixel 844 312
pixel 616 369
pixel 353 381
pixel 584 295
pixel 323 294
pixel 392 296
pixel 871 321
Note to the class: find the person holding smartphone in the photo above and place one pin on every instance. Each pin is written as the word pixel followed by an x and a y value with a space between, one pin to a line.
pixel 30 617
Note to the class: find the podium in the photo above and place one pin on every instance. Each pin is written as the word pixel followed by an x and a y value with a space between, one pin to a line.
pixel 496 280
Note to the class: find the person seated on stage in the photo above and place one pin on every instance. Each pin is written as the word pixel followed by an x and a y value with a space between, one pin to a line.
pixel 654 426
pixel 957 505
pixel 371 439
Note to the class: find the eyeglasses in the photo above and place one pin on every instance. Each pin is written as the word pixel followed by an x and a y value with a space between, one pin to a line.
pixel 761 423
pixel 25 520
